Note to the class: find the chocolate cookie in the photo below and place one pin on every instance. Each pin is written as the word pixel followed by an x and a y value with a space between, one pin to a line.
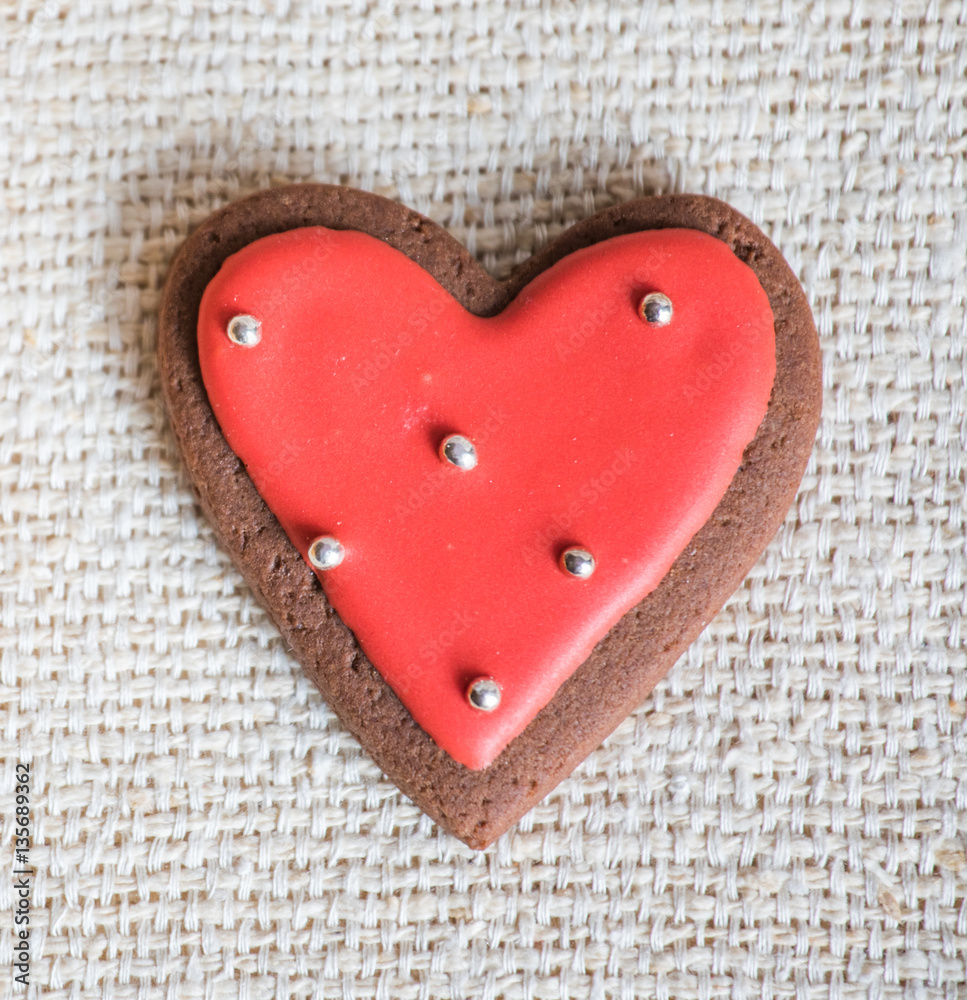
pixel 526 497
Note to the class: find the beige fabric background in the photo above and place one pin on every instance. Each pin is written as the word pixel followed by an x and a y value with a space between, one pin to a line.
pixel 785 816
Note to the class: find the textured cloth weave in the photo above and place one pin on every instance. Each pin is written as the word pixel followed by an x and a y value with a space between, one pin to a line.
pixel 786 815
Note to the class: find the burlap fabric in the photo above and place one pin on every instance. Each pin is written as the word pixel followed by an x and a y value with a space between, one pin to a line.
pixel 785 816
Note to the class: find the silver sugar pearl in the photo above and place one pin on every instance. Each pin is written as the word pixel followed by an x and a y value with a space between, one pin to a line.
pixel 326 552
pixel 459 451
pixel 578 563
pixel 246 331
pixel 484 694
pixel 656 309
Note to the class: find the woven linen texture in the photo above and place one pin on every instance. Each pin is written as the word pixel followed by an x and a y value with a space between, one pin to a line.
pixel 785 816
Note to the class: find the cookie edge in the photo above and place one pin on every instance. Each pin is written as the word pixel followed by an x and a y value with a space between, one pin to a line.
pixel 477 806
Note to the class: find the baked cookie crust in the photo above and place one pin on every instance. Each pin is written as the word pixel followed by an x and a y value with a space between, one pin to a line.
pixel 477 806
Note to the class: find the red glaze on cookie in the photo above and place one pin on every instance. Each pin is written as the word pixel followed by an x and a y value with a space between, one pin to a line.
pixel 591 427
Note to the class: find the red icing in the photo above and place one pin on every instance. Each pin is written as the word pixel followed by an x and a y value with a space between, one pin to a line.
pixel 591 429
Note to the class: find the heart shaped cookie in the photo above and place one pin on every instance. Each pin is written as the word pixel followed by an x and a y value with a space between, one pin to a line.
pixel 487 516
